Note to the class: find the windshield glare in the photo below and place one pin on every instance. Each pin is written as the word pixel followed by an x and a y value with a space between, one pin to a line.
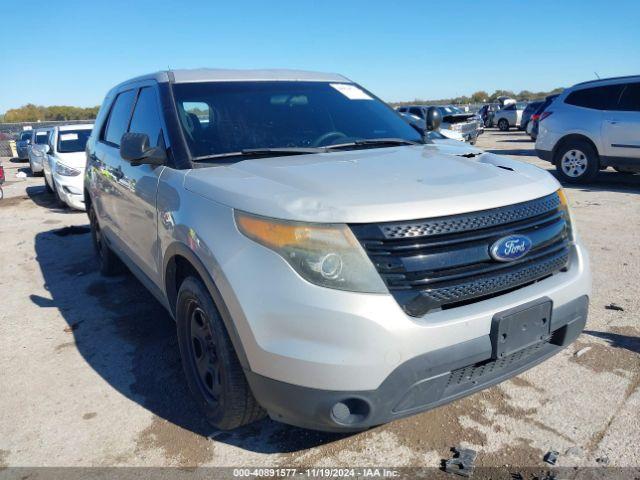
pixel 226 117
pixel 73 140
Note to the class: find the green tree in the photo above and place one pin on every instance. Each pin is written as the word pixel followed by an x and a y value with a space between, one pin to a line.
pixel 479 97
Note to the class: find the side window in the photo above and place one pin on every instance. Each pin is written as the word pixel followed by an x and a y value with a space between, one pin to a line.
pixel 510 107
pixel 630 98
pixel 146 116
pixel 598 98
pixel 119 117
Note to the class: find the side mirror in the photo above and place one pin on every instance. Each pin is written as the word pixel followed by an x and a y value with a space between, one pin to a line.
pixel 134 148
pixel 434 119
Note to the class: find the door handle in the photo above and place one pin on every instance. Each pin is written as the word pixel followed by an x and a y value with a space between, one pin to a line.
pixel 614 122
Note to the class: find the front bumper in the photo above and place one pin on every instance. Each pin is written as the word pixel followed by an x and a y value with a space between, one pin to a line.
pixel 36 163
pixel 419 384
pixel 70 190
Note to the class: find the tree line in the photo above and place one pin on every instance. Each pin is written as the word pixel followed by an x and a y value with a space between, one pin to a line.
pixel 35 113
pixel 483 97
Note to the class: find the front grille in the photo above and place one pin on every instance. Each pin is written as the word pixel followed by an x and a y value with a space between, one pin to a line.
pixel 445 262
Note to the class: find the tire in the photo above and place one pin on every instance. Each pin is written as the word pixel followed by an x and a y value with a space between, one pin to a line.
pixel 110 264
pixel 210 363
pixel 577 161
pixel 503 125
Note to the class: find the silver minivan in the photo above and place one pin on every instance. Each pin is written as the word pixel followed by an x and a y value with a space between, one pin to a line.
pixel 592 126
pixel 325 264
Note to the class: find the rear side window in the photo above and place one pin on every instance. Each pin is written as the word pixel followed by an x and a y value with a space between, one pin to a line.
pixel 146 116
pixel 597 98
pixel 119 117
pixel 630 98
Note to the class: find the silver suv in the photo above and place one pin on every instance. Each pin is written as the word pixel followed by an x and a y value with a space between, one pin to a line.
pixel 322 262
pixel 591 126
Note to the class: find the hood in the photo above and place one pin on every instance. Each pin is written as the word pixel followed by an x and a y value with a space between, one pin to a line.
pixel 454 147
pixel 373 185
pixel 75 160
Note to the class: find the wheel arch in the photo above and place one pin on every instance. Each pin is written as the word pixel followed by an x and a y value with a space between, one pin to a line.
pixel 573 137
pixel 180 262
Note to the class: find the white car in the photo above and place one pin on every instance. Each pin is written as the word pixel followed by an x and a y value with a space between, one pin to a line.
pixel 591 126
pixel 37 154
pixel 445 134
pixel 509 116
pixel 65 164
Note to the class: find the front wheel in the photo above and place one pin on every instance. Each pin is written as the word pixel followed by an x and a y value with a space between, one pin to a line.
pixel 577 162
pixel 210 363
pixel 503 125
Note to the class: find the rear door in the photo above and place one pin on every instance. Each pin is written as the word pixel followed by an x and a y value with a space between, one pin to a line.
pixel 107 164
pixel 136 188
pixel 621 127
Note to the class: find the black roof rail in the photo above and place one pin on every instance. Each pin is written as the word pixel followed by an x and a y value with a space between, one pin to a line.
pixel 595 80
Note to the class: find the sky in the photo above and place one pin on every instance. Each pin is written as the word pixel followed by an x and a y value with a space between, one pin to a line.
pixel 71 52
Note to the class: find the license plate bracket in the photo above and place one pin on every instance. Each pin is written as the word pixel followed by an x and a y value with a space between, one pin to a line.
pixel 521 327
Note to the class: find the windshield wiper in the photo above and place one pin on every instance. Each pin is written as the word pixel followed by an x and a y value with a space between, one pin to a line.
pixel 374 141
pixel 255 152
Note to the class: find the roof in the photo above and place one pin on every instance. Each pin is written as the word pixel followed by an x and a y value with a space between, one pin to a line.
pixel 225 75
pixel 598 80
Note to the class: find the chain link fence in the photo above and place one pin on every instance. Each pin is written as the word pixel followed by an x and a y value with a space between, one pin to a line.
pixel 10 132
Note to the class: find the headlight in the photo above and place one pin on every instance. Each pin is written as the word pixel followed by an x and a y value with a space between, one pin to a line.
pixel 326 255
pixel 564 208
pixel 62 169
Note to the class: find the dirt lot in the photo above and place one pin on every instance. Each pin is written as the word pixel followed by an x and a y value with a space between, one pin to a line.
pixel 90 372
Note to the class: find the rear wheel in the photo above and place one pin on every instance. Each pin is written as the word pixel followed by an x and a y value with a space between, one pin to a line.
pixel 210 363
pixel 503 124
pixel 577 162
pixel 110 264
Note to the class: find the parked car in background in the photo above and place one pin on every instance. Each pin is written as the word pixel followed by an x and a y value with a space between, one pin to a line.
pixel 65 163
pixel 38 155
pixel 591 126
pixel 298 289
pixel 487 112
pixel 466 124
pixel 509 116
pixel 441 134
pixel 532 127
pixel 528 111
pixel 23 143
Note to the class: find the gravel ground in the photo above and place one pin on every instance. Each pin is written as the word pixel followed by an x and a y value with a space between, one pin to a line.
pixel 90 373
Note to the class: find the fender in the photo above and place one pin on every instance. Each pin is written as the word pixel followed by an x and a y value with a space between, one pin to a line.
pixel 169 269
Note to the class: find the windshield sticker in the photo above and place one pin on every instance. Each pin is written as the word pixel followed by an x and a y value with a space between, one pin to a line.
pixel 351 91
pixel 64 137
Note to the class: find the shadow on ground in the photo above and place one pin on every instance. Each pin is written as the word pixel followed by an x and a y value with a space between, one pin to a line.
pixel 617 340
pixel 128 338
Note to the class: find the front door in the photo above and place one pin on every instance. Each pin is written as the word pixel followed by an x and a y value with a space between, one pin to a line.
pixel 621 127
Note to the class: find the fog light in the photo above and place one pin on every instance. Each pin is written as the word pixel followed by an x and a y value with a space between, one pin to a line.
pixel 350 411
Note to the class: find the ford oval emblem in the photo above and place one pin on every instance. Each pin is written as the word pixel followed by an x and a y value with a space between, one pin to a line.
pixel 510 248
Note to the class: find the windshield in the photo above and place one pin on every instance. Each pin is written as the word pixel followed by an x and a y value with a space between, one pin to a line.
pixel 42 138
pixel 226 117
pixel 25 136
pixel 73 140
